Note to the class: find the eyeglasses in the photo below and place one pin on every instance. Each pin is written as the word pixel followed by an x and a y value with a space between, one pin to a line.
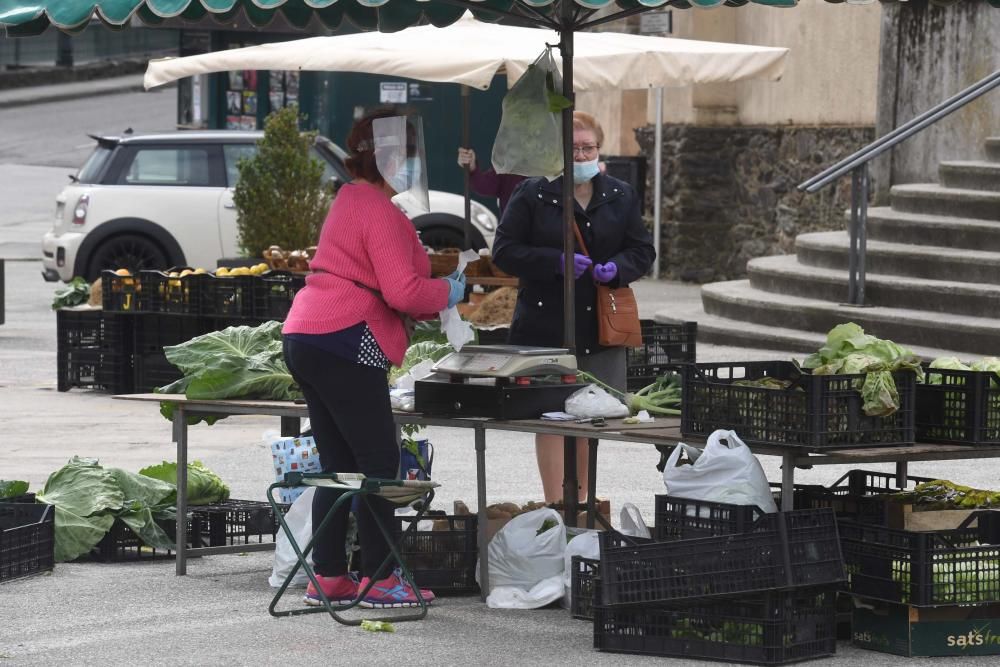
pixel 587 149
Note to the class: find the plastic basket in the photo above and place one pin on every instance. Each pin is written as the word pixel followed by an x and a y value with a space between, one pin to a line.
pixel 93 350
pixel 686 518
pixel 772 628
pixel 230 296
pixel 27 539
pixel 856 495
pixel 152 333
pixel 664 348
pixel 816 411
pixel 946 567
pixel 120 294
pixel 443 559
pixel 273 294
pixel 120 544
pixel 963 407
pixel 23 498
pixel 234 522
pixel 163 293
pixel 582 581
pixel 780 551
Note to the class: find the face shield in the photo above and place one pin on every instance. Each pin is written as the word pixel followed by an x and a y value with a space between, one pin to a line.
pixel 400 157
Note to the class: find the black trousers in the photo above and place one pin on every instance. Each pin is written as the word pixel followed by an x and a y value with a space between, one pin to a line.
pixel 352 424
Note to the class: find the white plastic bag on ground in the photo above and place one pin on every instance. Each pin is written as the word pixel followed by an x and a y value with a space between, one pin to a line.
pixel 543 593
pixel 585 545
pixel 520 556
pixel 592 401
pixel 299 519
pixel 726 471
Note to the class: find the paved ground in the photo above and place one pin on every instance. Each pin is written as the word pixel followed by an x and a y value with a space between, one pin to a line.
pixel 93 614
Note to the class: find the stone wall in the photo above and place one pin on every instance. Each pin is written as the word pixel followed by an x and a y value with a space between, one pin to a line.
pixel 729 193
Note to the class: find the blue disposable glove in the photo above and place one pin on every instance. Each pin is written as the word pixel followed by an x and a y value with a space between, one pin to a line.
pixel 456 290
pixel 605 273
pixel 580 263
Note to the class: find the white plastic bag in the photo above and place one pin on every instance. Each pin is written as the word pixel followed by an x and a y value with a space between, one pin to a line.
pixel 299 519
pixel 543 593
pixel 585 545
pixel 520 556
pixel 592 401
pixel 456 330
pixel 726 471
pixel 529 140
pixel 632 523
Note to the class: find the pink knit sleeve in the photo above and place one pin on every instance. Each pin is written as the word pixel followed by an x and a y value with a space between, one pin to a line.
pixel 389 240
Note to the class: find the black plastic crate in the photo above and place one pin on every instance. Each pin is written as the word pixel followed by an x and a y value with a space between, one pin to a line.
pixel 772 628
pixel 121 294
pixel 945 567
pixel 93 350
pixel 665 347
pixel 23 498
pixel 678 518
pixel 583 578
pixel 273 293
pixel 166 293
pixel 120 544
pixel 27 539
pixel 962 408
pixel 856 495
pixel 780 551
pixel 230 296
pixel 233 522
pixel 153 332
pixel 443 559
pixel 815 411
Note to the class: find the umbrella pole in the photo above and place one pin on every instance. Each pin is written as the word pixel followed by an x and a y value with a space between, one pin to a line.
pixel 569 203
pixel 465 144
pixel 657 179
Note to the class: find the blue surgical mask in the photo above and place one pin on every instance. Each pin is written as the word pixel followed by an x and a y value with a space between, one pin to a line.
pixel 407 176
pixel 584 171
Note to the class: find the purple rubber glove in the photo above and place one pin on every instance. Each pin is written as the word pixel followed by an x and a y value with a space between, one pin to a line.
pixel 605 273
pixel 580 263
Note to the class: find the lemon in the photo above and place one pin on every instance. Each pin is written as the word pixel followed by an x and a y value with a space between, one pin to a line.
pixel 186 272
pixel 199 271
pixel 222 271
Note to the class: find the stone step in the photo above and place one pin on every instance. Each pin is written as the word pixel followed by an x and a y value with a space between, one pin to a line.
pixel 993 149
pixel 890 225
pixel 722 331
pixel 970 175
pixel 933 199
pixel 829 250
pixel 738 300
pixel 784 274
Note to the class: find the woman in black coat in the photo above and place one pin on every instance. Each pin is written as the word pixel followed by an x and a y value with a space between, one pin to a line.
pixel 529 245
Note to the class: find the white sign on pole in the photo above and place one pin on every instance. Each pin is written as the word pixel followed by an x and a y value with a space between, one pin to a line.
pixel 392 92
pixel 656 23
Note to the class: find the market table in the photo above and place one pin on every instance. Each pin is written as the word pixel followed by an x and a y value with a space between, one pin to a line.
pixel 660 432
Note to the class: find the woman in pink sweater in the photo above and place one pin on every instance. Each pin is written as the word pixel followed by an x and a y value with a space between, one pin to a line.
pixel 345 328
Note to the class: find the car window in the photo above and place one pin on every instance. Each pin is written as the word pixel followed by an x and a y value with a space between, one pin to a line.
pixel 91 169
pixel 233 153
pixel 184 165
pixel 328 170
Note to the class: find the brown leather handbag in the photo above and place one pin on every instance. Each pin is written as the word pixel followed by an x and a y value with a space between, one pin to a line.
pixel 617 311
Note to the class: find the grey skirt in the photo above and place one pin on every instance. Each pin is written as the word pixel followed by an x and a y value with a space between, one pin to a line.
pixel 607 366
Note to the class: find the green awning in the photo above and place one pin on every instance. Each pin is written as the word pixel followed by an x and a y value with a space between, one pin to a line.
pixel 21 18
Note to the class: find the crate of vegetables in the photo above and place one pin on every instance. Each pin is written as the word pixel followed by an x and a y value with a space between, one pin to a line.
pixel 121 292
pixel 780 551
pixel 443 558
pixel 180 290
pixel 230 522
pixel 664 348
pixel 928 568
pixel 583 579
pixel 274 292
pixel 769 628
pixel 778 403
pixel 677 518
pixel 959 403
pixel 859 495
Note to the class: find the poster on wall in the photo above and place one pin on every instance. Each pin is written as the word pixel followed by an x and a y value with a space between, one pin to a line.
pixel 233 123
pixel 249 102
pixel 250 79
pixel 291 88
pixel 234 101
pixel 248 123
pixel 236 81
pixel 276 99
pixel 392 92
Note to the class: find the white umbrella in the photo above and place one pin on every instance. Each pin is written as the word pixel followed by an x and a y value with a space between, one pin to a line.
pixel 471 52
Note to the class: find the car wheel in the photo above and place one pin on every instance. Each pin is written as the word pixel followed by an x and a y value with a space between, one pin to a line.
pixel 448 237
pixel 127 251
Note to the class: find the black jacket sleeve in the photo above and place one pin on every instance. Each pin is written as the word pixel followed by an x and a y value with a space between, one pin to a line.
pixel 513 251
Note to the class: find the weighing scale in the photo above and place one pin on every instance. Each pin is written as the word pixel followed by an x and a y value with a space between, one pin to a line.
pixel 498 381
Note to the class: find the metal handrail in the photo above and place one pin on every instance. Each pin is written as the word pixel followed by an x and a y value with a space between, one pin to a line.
pixel 901 133
pixel 857 165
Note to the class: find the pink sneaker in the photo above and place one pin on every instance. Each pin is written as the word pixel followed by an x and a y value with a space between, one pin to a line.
pixel 338 590
pixel 392 593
